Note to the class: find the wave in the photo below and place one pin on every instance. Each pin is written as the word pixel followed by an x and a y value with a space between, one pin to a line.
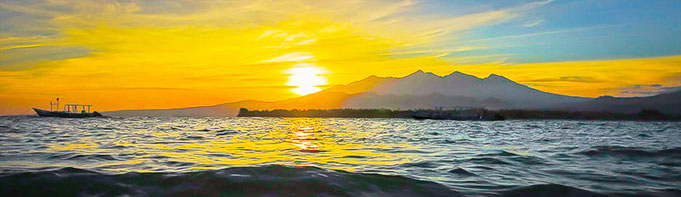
pixel 505 156
pixel 631 152
pixel 550 190
pixel 462 172
pixel 83 157
pixel 240 181
pixel 488 160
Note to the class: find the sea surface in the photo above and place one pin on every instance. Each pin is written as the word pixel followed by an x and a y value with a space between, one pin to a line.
pixel 143 156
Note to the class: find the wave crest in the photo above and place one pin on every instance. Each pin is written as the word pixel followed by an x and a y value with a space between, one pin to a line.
pixel 243 181
pixel 554 190
pixel 632 152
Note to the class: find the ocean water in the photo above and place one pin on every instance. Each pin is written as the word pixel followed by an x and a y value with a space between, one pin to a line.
pixel 142 156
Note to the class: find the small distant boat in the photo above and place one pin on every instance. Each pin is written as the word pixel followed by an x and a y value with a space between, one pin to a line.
pixel 70 111
pixel 458 113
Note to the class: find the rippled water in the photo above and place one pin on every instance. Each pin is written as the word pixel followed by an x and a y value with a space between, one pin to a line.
pixel 302 156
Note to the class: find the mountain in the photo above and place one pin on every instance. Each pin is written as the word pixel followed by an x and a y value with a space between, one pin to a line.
pixel 457 89
pixel 669 103
pixel 360 86
pixel 427 101
pixel 320 100
pixel 222 110
pixel 421 90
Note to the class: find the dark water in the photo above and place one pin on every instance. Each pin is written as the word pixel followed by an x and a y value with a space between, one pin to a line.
pixel 337 157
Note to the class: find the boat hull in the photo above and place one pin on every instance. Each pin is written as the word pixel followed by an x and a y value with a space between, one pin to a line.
pixel 61 114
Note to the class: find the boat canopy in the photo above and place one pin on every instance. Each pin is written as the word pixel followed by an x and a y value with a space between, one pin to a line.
pixel 73 108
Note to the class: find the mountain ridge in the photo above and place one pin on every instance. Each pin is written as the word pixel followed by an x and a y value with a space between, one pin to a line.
pixel 418 90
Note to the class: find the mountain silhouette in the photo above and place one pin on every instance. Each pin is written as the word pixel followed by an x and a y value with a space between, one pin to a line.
pixel 455 89
pixel 321 100
pixel 669 103
pixel 421 90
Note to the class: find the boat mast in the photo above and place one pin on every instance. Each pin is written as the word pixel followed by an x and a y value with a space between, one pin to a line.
pixel 54 105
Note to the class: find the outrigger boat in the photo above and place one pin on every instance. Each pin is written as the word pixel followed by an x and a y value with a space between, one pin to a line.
pixel 70 111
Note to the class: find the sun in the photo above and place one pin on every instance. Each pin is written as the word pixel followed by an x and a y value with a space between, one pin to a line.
pixel 306 78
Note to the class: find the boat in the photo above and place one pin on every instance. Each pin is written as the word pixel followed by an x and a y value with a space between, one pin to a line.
pixel 457 113
pixel 70 111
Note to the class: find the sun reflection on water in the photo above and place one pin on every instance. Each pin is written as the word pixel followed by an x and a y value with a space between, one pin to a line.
pixel 305 139
pixel 221 143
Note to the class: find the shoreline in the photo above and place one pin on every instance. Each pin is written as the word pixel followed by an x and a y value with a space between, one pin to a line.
pixel 514 114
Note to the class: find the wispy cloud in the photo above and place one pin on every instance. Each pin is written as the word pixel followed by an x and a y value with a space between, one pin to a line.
pixel 293 57
pixel 543 33
pixel 534 23
pixel 646 89
pixel 434 51
pixel 578 79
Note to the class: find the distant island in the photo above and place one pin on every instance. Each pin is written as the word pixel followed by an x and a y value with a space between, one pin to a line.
pixel 517 114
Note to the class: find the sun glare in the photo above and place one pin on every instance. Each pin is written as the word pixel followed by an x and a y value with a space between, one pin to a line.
pixel 306 78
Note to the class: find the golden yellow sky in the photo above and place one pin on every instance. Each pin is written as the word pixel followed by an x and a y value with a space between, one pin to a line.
pixel 145 55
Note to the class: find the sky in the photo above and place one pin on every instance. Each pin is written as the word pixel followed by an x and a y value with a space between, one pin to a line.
pixel 151 54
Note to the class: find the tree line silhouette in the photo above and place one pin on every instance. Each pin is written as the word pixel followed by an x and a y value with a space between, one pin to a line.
pixel 646 114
